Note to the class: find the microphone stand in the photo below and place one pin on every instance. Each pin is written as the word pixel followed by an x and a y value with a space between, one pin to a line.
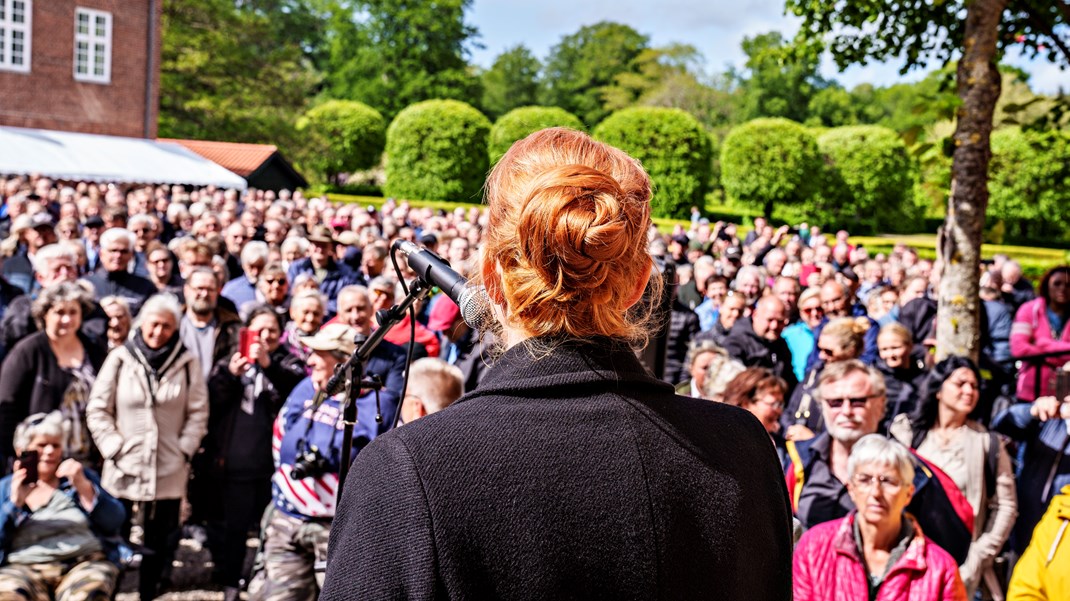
pixel 353 371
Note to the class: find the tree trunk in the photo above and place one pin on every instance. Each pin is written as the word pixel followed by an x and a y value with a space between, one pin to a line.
pixel 959 242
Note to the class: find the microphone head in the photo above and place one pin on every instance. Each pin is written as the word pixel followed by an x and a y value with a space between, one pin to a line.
pixel 475 308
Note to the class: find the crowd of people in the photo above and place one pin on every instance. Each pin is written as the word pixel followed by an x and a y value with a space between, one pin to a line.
pixel 164 352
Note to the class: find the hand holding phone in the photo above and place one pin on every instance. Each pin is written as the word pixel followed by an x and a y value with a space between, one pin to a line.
pixel 28 460
pixel 246 338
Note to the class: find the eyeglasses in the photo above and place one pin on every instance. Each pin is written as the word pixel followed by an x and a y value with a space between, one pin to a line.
pixel 778 405
pixel 856 402
pixel 270 281
pixel 886 483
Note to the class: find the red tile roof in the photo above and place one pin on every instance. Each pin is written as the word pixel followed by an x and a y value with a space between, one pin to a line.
pixel 242 159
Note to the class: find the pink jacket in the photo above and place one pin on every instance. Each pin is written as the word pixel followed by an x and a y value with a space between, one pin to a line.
pixel 828 567
pixel 1030 334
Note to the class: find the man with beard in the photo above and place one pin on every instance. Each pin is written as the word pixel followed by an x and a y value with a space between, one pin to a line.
pixel 852 397
pixel 208 331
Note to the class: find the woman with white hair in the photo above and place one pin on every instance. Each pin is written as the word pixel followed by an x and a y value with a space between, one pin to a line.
pixel 58 527
pixel 878 551
pixel 148 413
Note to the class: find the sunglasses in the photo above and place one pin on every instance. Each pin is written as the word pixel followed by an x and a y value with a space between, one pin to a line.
pixel 855 402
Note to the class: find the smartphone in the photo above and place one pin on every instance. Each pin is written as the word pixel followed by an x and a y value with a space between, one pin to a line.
pixel 246 338
pixel 28 460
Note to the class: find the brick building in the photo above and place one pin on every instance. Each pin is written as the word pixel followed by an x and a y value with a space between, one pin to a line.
pixel 89 66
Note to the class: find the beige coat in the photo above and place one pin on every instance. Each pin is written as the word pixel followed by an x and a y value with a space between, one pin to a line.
pixel 147 442
pixel 994 517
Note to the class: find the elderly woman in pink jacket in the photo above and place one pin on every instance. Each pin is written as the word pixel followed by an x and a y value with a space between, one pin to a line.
pixel 876 552
pixel 1040 327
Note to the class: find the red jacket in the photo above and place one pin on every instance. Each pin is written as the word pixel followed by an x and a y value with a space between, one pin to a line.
pixel 828 567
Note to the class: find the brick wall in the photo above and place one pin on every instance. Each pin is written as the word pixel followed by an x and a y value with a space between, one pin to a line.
pixel 48 97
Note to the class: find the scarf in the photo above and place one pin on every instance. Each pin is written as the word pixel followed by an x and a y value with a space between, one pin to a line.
pixel 155 358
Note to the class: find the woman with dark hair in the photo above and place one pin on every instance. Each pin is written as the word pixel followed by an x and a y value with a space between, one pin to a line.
pixel 569 472
pixel 162 270
pixel 944 430
pixel 246 392
pixel 51 370
pixel 903 372
pixel 1040 327
pixel 761 392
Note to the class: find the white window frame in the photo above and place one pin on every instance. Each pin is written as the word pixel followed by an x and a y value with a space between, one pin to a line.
pixel 7 39
pixel 92 41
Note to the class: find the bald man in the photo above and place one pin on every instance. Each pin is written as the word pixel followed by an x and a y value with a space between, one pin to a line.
pixel 755 341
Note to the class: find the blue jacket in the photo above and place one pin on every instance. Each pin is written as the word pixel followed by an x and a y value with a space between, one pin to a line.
pixel 105 519
pixel 339 275
pixel 1047 445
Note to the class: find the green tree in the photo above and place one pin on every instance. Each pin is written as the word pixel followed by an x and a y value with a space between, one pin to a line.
pixel 518 123
pixel 401 52
pixel 674 149
pixel 777 85
pixel 832 107
pixel 511 82
pixel 342 136
pixel 437 150
pixel 768 162
pixel 223 76
pixel 583 64
pixel 651 68
pixel 871 180
pixel 977 30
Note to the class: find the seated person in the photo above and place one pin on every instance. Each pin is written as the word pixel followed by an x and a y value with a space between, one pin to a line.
pixel 59 533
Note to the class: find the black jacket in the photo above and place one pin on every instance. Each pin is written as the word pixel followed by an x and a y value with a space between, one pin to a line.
pixel 18 323
pixel 135 290
pixel 33 382
pixel 746 346
pixel 571 476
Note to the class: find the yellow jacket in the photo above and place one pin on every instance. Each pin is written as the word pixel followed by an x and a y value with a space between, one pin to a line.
pixel 1043 572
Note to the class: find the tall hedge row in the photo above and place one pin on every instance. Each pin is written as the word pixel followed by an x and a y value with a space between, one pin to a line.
pixel 518 123
pixel 672 146
pixel 1028 180
pixel 437 150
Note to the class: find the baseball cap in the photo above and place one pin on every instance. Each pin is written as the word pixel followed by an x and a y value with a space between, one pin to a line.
pixel 332 337
pixel 443 314
pixel 321 234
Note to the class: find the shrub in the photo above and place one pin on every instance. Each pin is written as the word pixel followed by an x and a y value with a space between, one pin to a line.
pixel 869 183
pixel 342 136
pixel 674 149
pixel 518 123
pixel 1027 181
pixel 768 162
pixel 437 150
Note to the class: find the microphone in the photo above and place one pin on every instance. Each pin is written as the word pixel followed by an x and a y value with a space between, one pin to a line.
pixel 433 269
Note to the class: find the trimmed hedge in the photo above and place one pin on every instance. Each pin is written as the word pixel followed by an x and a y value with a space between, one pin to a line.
pixel 518 123
pixel 1027 181
pixel 869 184
pixel 771 162
pixel 437 150
pixel 672 146
pixel 342 136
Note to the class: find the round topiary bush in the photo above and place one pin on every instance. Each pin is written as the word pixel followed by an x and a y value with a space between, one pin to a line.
pixel 673 148
pixel 518 123
pixel 870 180
pixel 1026 181
pixel 341 136
pixel 437 150
pixel 766 162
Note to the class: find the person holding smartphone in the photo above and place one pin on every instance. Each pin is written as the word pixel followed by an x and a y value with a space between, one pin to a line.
pixel 58 527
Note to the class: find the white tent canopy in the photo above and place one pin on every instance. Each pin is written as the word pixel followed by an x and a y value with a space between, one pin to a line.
pixel 107 159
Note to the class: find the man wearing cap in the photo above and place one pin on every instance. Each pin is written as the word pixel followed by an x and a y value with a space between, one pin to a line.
pixel 94 225
pixel 39 231
pixel 461 346
pixel 331 275
pixel 308 455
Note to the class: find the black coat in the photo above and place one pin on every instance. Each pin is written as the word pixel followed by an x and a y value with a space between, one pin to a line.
pixel 571 476
pixel 750 349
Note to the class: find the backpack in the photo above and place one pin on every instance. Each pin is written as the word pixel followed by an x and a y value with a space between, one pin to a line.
pixel 936 499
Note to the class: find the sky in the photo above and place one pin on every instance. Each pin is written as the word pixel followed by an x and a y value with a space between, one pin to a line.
pixel 715 27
